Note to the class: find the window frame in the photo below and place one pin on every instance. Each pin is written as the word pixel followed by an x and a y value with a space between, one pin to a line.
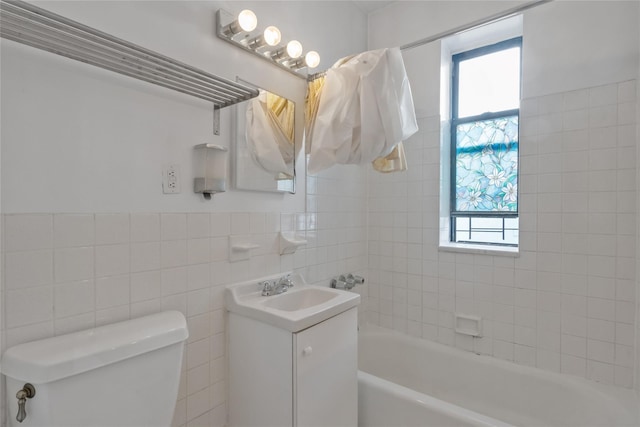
pixel 455 121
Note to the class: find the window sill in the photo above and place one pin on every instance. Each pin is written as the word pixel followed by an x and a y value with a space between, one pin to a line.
pixel 507 251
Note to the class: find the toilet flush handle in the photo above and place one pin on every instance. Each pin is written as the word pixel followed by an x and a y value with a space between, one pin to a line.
pixel 27 392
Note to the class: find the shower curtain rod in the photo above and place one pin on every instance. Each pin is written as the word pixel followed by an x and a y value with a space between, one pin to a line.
pixel 461 29
pixel 475 24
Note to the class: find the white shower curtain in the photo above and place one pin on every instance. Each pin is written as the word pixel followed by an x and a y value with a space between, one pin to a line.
pixel 365 110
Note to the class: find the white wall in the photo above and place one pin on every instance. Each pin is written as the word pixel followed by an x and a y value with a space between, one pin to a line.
pixel 567 302
pixel 572 45
pixel 592 43
pixel 88 238
pixel 637 354
pixel 80 139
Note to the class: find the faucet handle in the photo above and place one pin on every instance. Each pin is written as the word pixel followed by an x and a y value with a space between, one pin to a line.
pixel 356 279
pixel 338 283
pixel 267 288
pixel 286 280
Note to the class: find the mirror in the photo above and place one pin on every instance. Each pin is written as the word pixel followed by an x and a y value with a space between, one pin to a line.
pixel 265 143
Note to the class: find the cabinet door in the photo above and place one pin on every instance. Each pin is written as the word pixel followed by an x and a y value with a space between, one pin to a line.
pixel 325 373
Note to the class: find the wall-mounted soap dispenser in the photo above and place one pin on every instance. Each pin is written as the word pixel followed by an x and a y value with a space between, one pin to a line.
pixel 211 170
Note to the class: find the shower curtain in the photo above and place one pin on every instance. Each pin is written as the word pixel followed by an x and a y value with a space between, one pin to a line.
pixel 365 110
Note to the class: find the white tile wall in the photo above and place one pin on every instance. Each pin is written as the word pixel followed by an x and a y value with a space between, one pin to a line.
pixel 567 303
pixel 68 272
pixel 336 225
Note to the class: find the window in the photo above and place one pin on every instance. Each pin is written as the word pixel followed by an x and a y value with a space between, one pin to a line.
pixel 484 144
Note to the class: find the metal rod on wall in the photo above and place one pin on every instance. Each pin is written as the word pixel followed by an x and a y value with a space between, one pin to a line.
pixel 475 24
pixel 460 29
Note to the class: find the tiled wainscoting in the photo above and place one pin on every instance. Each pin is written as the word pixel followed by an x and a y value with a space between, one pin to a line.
pixel 567 303
pixel 67 272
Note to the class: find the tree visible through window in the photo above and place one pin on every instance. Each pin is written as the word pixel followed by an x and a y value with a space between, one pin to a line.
pixel 484 147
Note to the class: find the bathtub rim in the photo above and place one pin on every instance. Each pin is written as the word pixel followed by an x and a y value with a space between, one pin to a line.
pixel 430 402
pixel 619 398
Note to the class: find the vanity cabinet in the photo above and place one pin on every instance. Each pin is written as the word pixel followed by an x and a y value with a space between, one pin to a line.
pixel 283 378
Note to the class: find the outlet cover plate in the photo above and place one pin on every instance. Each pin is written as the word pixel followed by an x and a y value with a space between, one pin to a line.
pixel 171 179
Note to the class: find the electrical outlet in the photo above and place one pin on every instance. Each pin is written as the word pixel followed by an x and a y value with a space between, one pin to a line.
pixel 171 179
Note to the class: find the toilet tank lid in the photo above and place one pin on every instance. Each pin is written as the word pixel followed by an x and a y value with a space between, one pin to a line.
pixel 59 357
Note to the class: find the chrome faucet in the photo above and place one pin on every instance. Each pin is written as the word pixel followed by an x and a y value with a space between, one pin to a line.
pixel 346 282
pixel 276 287
pixel 283 284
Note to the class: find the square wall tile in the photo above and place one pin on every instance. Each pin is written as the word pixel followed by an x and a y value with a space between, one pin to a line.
pixel 240 223
pixel 112 292
pixel 146 286
pixel 28 269
pixel 72 230
pixel 198 225
pixel 173 253
pixel 112 228
pixel 145 227
pixel 603 95
pixel 28 306
pixel 112 260
pixel 198 251
pixel 75 298
pixel 173 226
pixel 28 232
pixel 73 264
pixel 145 256
pixel 220 224
pixel 174 280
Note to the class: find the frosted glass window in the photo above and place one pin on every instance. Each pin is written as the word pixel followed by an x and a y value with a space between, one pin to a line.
pixel 489 83
pixel 487 165
pixel 485 144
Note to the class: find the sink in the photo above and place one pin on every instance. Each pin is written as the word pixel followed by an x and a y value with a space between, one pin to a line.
pixel 304 298
pixel 298 308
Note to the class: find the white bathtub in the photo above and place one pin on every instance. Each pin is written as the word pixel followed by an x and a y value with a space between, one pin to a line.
pixel 409 382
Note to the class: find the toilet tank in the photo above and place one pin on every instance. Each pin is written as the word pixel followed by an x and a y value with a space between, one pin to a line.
pixel 123 374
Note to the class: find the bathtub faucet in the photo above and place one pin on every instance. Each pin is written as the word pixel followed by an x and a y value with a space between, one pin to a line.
pixel 346 282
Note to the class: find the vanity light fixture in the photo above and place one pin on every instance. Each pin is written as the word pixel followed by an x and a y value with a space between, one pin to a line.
pixel 312 59
pixel 266 44
pixel 246 21
pixel 270 37
pixel 292 50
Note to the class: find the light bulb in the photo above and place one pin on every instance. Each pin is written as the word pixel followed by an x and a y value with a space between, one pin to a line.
pixel 272 35
pixel 312 59
pixel 294 49
pixel 247 20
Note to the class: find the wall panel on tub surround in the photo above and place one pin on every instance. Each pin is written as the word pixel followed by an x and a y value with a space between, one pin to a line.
pixel 567 302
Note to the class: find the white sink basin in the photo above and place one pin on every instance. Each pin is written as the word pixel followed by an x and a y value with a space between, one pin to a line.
pixel 298 308
pixel 304 298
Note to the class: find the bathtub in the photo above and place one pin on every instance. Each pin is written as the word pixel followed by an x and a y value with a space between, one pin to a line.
pixel 404 381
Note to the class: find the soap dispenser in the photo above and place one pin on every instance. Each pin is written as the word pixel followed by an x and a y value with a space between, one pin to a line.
pixel 211 170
